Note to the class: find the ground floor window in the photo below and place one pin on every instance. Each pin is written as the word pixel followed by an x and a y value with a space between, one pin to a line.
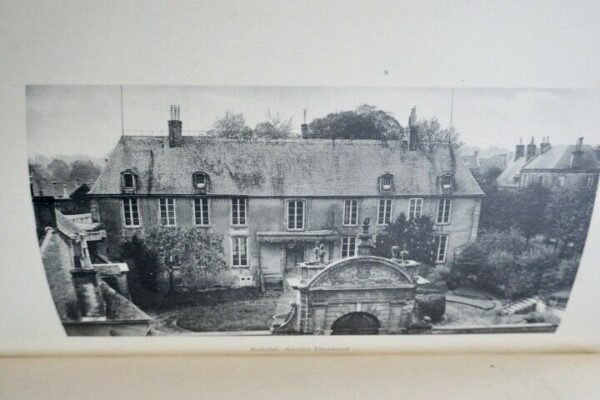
pixel 201 211
pixel 167 211
pixel 348 246
pixel 441 245
pixel 239 251
pixel 131 212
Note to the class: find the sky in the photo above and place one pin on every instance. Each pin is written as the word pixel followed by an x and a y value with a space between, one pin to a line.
pixel 69 120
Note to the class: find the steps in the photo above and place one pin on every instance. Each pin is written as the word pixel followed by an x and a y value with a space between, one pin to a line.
pixel 522 307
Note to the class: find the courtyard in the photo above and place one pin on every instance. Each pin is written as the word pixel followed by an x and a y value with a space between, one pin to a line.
pixel 253 316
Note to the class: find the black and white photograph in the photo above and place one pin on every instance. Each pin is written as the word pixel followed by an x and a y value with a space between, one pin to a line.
pixel 300 210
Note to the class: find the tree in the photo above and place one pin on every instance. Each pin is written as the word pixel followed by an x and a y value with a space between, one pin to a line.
pixel 531 203
pixel 198 252
pixel 38 174
pixel 568 217
pixel 146 266
pixel 366 122
pixel 430 130
pixel 59 170
pixel 415 233
pixel 84 171
pixel 231 126
pixel 274 127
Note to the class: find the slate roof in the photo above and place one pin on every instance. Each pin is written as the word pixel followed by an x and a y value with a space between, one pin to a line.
pixel 559 157
pixel 470 161
pixel 513 169
pixel 293 167
pixel 58 190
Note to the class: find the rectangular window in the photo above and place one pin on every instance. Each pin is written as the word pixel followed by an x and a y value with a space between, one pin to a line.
pixel 167 211
pixel 415 207
pixel 350 212
pixel 238 211
pixel 591 181
pixel 348 246
pixel 239 251
pixel 201 211
pixel 128 181
pixel 443 215
pixel 441 244
pixel 384 214
pixel 131 212
pixel 295 214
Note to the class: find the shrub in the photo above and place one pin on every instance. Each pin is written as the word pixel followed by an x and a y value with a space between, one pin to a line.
pixel 432 306
pixel 145 267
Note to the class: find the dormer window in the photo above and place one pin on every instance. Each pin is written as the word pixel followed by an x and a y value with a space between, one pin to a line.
pixel 386 183
pixel 446 183
pixel 200 181
pixel 128 181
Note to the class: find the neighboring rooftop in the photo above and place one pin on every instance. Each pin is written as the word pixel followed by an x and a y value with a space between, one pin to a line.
pixel 559 158
pixel 296 167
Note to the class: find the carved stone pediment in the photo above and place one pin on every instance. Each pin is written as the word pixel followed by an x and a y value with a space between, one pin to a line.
pixel 366 273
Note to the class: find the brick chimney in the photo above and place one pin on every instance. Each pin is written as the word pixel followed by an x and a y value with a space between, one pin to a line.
pixel 89 298
pixel 175 134
pixel 413 129
pixel 520 150
pixel 577 155
pixel 304 126
pixel 531 149
pixel 545 145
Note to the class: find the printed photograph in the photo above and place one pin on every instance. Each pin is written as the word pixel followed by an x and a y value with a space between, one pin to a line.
pixel 268 211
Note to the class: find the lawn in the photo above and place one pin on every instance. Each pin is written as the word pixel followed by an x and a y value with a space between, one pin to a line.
pixel 244 315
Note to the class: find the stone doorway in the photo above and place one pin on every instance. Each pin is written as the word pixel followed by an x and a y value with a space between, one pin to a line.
pixel 356 323
pixel 294 256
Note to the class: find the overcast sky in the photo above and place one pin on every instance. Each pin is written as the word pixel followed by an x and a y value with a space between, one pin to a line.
pixel 87 119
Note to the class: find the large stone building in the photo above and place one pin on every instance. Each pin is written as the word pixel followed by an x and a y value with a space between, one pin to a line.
pixel 274 201
pixel 557 167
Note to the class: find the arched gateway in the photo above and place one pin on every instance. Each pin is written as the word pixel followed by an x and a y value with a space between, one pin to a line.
pixel 357 295
pixel 356 323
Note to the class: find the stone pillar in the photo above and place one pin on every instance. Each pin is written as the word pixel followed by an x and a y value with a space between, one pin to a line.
pixel 89 298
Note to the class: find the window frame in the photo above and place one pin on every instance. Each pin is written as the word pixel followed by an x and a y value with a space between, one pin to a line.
pixel 418 203
pixel 124 175
pixel 287 214
pixel 348 245
pixel 123 214
pixel 384 211
pixel 356 218
pixel 233 241
pixel 231 219
pixel 438 243
pixel 160 216
pixel 448 201
pixel 205 205
pixel 591 181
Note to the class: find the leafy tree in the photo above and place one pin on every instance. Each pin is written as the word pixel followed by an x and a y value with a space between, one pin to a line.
pixel 366 122
pixel 531 203
pixel 231 126
pixel 415 233
pixel 430 130
pixel 38 173
pixel 466 265
pixel 196 251
pixel 59 170
pixel 274 127
pixel 568 217
pixel 84 171
pixel 146 266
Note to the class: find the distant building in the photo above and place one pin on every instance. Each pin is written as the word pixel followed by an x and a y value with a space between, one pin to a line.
pixel 482 165
pixel 563 166
pixel 274 201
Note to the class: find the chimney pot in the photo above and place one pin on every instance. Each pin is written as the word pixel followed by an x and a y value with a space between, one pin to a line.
pixel 413 137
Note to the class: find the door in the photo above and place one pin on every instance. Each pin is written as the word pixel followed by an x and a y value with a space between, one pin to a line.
pixel 294 255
